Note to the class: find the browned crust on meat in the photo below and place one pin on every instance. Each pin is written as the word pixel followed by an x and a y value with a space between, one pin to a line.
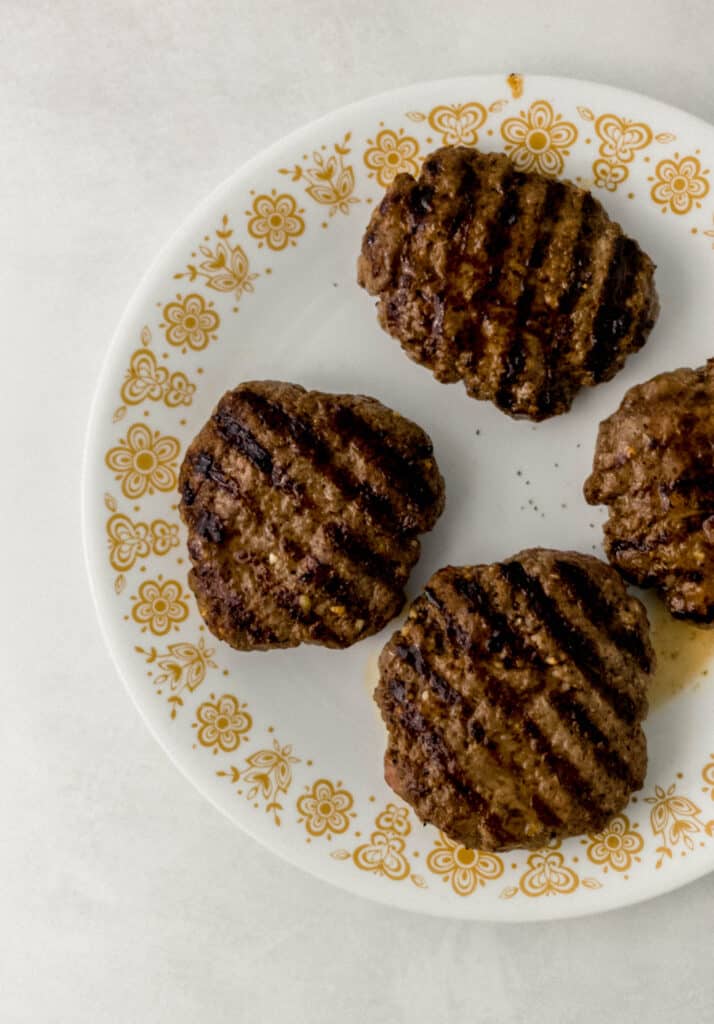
pixel 303 511
pixel 514 697
pixel 515 283
pixel 654 468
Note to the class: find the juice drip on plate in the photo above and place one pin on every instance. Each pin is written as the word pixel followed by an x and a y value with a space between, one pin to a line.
pixel 685 655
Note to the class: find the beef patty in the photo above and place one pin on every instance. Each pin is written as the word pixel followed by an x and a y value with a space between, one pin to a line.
pixel 303 511
pixel 654 467
pixel 519 285
pixel 513 697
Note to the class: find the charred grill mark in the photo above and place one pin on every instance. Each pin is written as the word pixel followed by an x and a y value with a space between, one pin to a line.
pixel 457 635
pixel 514 360
pixel 209 527
pixel 675 530
pixel 610 760
pixel 571 780
pixel 580 269
pixel 411 655
pixel 468 339
pixel 403 473
pixel 241 618
pixel 695 485
pixel 240 438
pixel 326 579
pixel 616 547
pixel 613 318
pixel 318 452
pixel 313 448
pixel 502 635
pixel 205 467
pixel 499 235
pixel 526 317
pixel 466 207
pixel 429 738
pixel 357 551
pixel 289 602
pixel 419 201
pixel 602 613
pixel 570 639
pixel 504 699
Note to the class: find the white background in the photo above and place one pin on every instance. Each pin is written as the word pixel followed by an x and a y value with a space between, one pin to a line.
pixel 123 895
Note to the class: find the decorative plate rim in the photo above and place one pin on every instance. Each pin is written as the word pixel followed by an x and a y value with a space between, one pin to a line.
pixel 609 899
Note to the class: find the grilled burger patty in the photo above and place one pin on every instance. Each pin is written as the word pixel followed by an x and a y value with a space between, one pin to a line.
pixel 654 467
pixel 519 285
pixel 514 697
pixel 303 511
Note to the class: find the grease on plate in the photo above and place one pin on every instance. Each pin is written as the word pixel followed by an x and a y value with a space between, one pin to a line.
pixel 684 653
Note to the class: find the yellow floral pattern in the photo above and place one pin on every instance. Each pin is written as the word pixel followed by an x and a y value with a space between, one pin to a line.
pixel 190 323
pixel 129 541
pixel 464 869
pixel 225 267
pixel 620 139
pixel 458 124
pixel 275 221
pixel 144 461
pixel 679 185
pixel 159 606
pixel 385 853
pixel 325 809
pixel 390 154
pixel 547 875
pixel 182 667
pixel 394 819
pixel 675 820
pixel 267 774
pixel 617 846
pixel 145 380
pixel 223 723
pixel 539 139
pixel 329 180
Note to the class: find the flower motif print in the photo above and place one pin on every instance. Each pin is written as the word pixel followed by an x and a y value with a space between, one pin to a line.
pixel 394 819
pixel 459 123
pixel 144 462
pixel 464 869
pixel 675 820
pixel 679 184
pixel 616 846
pixel 539 139
pixel 276 221
pixel 383 855
pixel 159 606
pixel 223 723
pixel 325 809
pixel 391 153
pixel 547 875
pixel 145 380
pixel 224 268
pixel 190 323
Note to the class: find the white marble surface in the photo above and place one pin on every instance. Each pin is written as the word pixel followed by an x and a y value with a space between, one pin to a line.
pixel 124 896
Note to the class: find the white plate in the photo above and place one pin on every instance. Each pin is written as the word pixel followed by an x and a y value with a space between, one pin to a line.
pixel 260 283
